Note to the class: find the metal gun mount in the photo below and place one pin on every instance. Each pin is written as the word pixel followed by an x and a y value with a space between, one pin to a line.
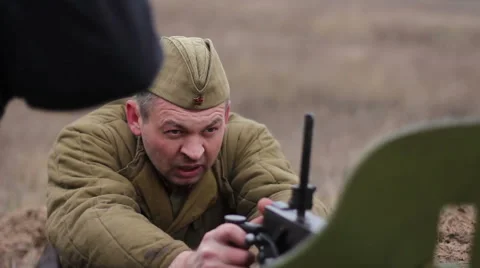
pixel 285 225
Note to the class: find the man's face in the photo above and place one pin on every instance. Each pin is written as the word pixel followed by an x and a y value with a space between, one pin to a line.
pixel 181 144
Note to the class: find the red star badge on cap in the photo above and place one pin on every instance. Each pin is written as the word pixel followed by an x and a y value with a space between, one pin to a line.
pixel 198 100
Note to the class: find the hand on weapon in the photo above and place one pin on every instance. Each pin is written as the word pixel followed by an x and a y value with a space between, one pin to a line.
pixel 262 204
pixel 223 246
pixel 283 226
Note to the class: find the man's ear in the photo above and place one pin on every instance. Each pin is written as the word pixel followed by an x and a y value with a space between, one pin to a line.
pixel 227 112
pixel 133 117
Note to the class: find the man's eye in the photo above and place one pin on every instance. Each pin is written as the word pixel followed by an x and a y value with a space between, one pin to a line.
pixel 173 132
pixel 211 129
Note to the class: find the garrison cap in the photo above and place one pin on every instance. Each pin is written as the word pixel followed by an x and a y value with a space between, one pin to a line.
pixel 192 75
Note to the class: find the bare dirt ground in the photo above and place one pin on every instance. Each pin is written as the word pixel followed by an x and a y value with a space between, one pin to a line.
pixel 364 69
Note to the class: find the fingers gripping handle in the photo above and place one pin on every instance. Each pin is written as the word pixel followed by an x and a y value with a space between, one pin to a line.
pixel 252 229
pixel 256 236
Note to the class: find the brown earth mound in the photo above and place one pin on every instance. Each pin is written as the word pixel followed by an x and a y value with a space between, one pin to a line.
pixel 22 238
pixel 456 227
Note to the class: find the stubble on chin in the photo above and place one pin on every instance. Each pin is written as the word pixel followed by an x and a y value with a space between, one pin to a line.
pixel 185 183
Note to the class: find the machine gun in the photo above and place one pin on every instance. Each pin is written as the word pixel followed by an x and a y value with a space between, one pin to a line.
pixel 285 225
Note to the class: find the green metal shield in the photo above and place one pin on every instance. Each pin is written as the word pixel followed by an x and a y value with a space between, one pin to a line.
pixel 388 213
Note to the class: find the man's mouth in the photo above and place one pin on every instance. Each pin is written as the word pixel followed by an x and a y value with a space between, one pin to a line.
pixel 188 168
pixel 189 171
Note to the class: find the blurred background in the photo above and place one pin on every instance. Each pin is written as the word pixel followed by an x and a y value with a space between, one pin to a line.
pixel 364 68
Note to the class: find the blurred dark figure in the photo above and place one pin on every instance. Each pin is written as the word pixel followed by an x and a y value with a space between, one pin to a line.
pixel 67 54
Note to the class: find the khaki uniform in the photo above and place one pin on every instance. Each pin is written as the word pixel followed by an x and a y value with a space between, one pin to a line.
pixel 109 207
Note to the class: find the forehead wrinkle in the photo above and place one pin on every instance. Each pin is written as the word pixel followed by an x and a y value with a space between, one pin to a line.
pixel 172 114
pixel 178 119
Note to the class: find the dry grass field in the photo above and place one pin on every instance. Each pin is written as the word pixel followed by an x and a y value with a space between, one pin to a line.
pixel 364 68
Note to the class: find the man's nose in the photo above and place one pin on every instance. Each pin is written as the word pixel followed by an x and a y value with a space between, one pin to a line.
pixel 193 149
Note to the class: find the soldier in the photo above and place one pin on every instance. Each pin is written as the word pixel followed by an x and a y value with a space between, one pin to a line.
pixel 146 181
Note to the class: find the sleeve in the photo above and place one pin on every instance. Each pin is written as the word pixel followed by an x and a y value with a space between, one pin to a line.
pixel 66 54
pixel 262 170
pixel 93 217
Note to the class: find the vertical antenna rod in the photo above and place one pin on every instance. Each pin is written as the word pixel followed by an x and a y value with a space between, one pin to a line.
pixel 305 165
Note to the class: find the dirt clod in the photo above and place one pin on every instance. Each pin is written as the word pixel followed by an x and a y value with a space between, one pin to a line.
pixel 456 230
pixel 22 237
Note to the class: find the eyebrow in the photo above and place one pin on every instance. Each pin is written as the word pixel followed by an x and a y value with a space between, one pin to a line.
pixel 214 122
pixel 172 123
pixel 178 125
